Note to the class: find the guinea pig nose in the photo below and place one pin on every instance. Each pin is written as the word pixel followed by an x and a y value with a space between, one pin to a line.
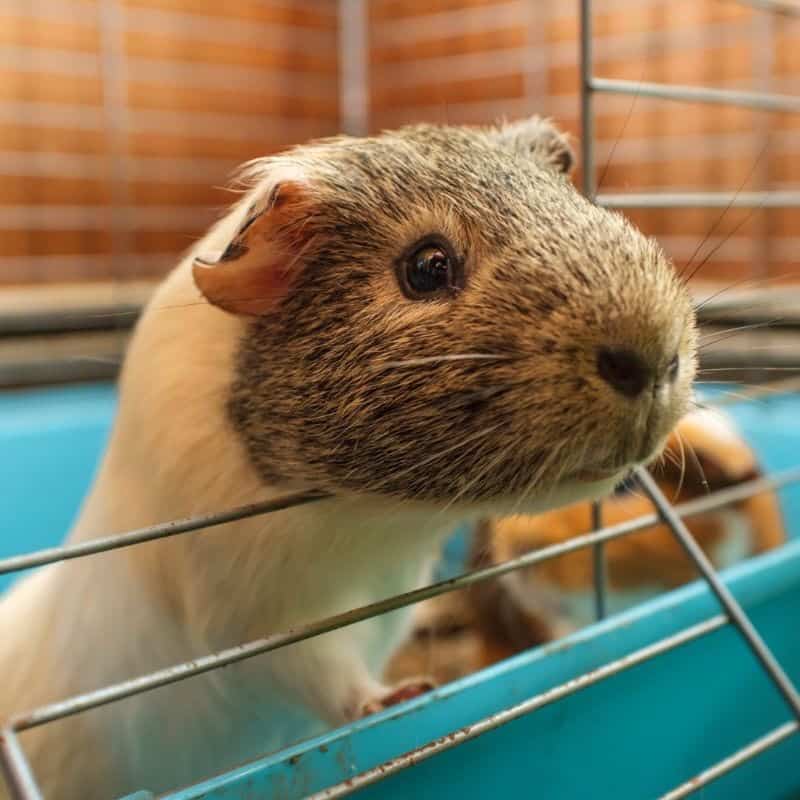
pixel 623 369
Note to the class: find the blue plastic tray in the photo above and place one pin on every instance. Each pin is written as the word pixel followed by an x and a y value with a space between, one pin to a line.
pixel 633 736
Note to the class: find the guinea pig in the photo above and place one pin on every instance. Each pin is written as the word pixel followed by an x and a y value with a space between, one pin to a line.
pixel 428 325
pixel 546 600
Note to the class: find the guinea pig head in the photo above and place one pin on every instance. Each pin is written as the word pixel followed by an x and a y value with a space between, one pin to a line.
pixel 436 314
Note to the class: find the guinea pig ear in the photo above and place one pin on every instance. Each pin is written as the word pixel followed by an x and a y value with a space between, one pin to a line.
pixel 538 138
pixel 254 271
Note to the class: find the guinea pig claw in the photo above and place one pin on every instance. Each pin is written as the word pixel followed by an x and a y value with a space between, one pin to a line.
pixel 407 690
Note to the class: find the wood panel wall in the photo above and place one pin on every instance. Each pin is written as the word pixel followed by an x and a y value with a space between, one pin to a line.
pixel 479 60
pixel 121 119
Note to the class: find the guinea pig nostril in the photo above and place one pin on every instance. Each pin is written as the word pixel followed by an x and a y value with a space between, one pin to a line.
pixel 624 370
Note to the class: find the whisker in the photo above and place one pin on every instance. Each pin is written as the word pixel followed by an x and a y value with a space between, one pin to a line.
pixel 750 282
pixel 720 336
pixel 753 282
pixel 683 464
pixel 703 478
pixel 535 478
pixel 722 241
pixel 758 368
pixel 768 348
pixel 622 130
pixel 784 386
pixel 115 361
pixel 458 445
pixel 423 360
pixel 476 480
pixel 724 212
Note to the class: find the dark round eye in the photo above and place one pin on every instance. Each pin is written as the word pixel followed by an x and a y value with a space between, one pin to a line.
pixel 428 271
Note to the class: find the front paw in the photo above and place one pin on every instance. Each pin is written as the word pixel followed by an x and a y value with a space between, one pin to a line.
pixel 407 690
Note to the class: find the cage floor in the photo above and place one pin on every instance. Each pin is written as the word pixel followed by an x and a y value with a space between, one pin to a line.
pixel 635 735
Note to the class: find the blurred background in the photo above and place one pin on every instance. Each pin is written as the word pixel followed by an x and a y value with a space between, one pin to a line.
pixel 121 121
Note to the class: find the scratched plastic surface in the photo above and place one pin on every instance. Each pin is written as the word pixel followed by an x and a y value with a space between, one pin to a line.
pixel 631 737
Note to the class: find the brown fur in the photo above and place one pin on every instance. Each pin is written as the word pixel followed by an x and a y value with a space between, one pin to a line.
pixel 494 623
pixel 549 278
pixel 284 352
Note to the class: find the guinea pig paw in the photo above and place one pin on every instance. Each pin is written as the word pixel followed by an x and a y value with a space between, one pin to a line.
pixel 407 690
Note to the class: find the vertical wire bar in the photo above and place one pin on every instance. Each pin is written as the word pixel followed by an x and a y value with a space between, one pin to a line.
pixel 353 74
pixel 15 769
pixel 762 53
pixel 587 97
pixel 114 81
pixel 734 611
pixel 599 577
pixel 589 189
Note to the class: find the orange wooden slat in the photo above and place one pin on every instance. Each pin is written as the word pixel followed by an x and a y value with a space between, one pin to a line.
pixel 47 34
pixel 36 87
pixel 313 15
pixel 295 56
pixel 708 66
pixel 194 145
pixel 399 9
pixel 36 243
pixel 477 42
pixel 439 94
pixel 33 138
pixel 53 190
pixel 645 17
pixel 175 98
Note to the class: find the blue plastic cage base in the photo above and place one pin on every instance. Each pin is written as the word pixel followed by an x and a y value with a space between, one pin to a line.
pixel 635 735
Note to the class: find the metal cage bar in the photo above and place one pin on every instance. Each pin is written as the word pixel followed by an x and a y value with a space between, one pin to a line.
pixel 13 759
pixel 757 101
pixel 507 715
pixel 773 199
pixel 766 199
pixel 13 762
pixel 197 666
pixel 731 605
pixel 163 530
pixel 14 766
pixel 721 768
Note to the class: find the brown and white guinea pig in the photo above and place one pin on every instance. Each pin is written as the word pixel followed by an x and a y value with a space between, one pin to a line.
pixel 541 602
pixel 430 325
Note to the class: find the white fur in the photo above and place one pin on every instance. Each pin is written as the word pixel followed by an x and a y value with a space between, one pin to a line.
pixel 88 623
pixel 717 423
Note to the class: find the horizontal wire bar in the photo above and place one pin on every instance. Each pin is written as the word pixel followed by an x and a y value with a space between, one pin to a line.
pixel 731 762
pixel 197 666
pixel 733 609
pixel 772 199
pixel 52 554
pixel 507 715
pixel 15 768
pixel 769 389
pixel 779 7
pixel 760 101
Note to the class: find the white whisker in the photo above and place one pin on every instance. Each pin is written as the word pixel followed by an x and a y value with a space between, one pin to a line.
pixel 423 360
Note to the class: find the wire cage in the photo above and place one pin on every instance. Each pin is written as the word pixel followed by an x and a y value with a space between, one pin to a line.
pixel 342 774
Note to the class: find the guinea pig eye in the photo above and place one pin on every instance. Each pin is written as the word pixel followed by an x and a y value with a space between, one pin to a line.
pixel 427 271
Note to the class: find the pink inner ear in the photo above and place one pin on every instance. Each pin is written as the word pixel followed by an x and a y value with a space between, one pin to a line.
pixel 258 267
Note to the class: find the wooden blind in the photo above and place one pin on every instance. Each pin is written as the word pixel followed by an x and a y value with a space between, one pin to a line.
pixel 479 60
pixel 121 119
